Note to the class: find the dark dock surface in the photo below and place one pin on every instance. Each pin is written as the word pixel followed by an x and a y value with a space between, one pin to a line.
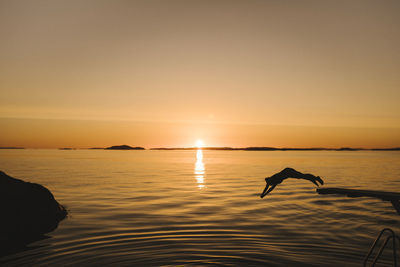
pixel 393 197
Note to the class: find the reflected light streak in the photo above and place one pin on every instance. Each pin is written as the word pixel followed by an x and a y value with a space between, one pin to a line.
pixel 199 169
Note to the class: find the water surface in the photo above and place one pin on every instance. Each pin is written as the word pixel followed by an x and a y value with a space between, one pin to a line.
pixel 152 208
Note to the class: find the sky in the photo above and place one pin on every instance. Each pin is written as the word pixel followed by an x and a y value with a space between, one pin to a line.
pixel 167 73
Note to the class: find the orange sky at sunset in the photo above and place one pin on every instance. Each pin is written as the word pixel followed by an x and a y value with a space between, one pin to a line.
pixel 231 73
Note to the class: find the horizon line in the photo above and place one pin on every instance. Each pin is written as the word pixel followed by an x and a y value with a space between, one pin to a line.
pixel 224 148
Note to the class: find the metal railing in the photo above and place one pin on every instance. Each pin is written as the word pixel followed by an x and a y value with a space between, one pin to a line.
pixel 392 236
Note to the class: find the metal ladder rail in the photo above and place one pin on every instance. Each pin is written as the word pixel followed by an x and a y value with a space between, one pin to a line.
pixel 382 248
pixel 392 236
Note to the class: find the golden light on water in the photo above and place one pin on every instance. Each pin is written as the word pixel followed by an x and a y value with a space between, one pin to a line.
pixel 199 169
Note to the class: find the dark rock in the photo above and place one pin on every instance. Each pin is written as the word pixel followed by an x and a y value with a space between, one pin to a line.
pixel 28 210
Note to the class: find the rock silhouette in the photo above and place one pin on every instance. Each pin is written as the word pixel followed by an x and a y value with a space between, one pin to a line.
pixel 28 210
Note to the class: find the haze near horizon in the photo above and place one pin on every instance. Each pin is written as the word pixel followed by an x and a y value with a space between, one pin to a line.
pixel 231 73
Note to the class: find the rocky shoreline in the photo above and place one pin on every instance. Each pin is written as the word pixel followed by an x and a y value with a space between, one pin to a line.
pixel 29 211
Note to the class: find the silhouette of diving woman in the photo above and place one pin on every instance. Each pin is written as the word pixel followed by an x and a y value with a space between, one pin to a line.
pixel 278 178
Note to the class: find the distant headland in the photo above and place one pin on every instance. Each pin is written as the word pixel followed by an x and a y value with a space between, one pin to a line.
pixel 124 147
pixel 118 147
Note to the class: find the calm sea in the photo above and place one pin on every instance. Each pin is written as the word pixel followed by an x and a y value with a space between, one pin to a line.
pixel 152 208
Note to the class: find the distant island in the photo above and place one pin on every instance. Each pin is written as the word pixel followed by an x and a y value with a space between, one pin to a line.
pixel 124 147
pixel 278 149
pixel 11 147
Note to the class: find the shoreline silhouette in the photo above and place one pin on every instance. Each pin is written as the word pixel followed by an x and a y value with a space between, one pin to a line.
pixel 255 148
pixel 278 149
pixel 29 211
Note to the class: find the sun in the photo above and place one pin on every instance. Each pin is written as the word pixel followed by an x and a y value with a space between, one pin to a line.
pixel 199 143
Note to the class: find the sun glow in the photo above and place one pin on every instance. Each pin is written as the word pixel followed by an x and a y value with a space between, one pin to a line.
pixel 199 143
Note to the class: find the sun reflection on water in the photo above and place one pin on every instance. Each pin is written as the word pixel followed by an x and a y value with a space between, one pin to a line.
pixel 199 169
